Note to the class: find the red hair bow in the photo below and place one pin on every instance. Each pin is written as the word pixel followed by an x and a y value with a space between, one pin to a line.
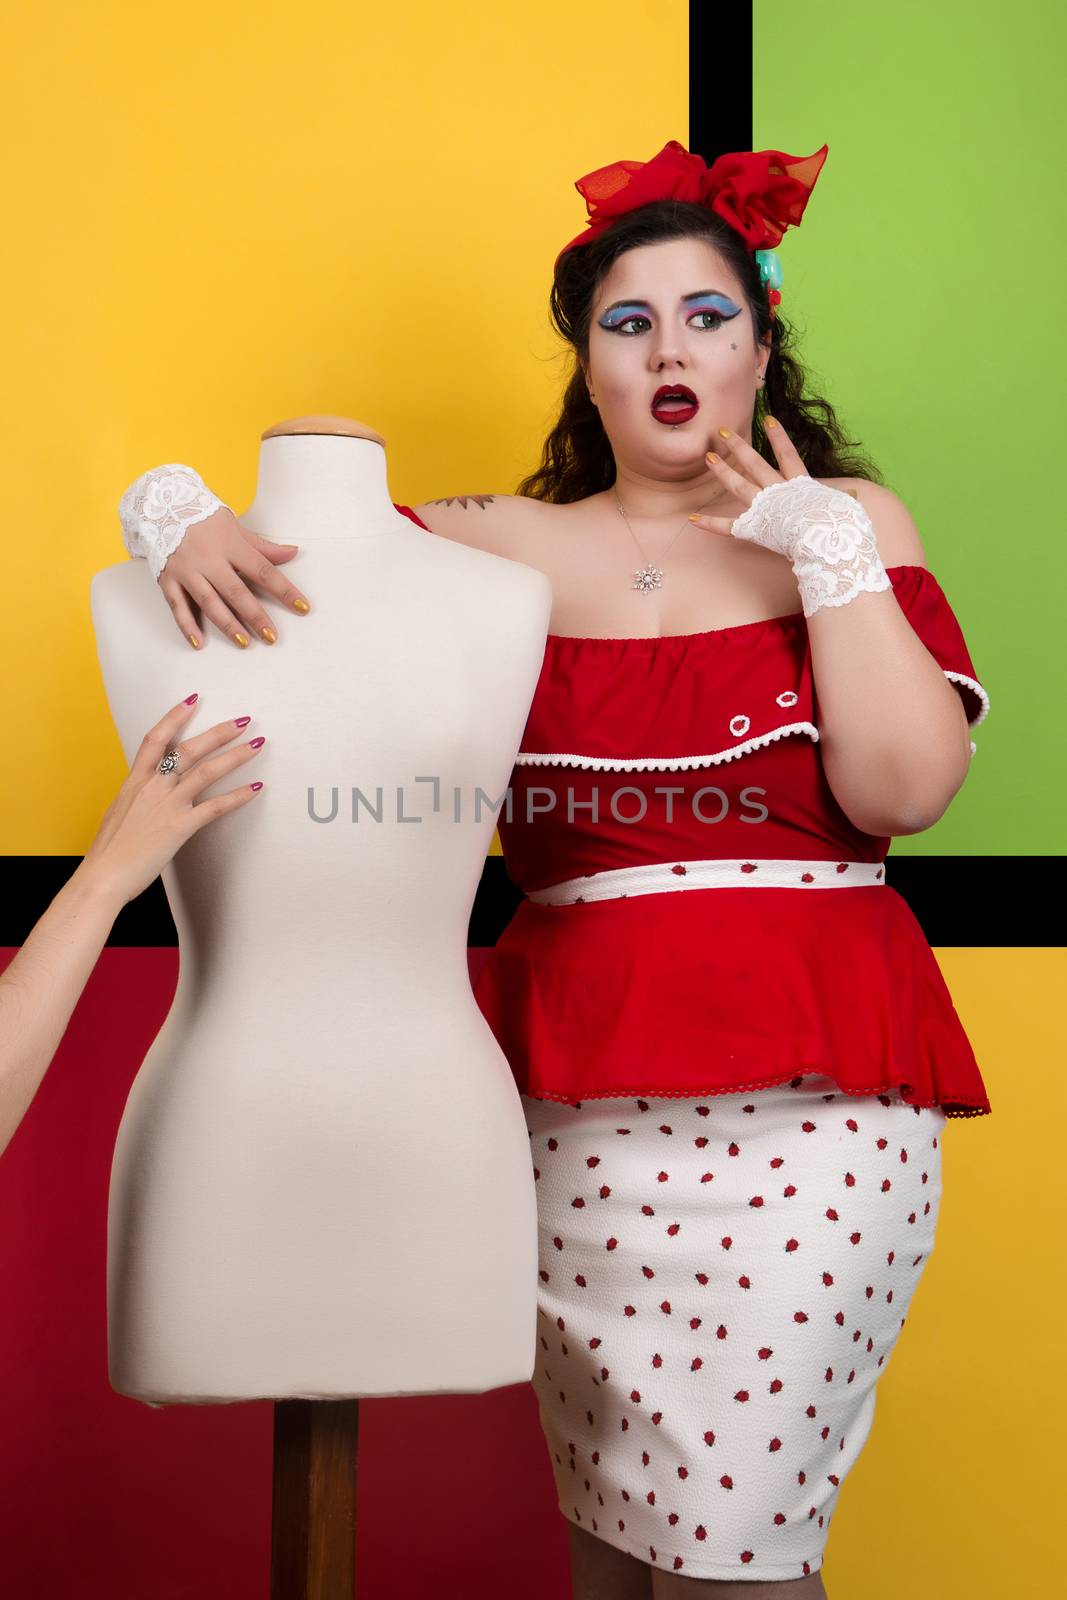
pixel 759 193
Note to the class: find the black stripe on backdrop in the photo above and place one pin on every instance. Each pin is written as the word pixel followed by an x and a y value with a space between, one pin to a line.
pixel 965 900
pixel 958 900
pixel 720 81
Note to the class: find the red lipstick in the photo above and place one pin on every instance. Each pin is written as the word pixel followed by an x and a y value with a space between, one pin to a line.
pixel 673 403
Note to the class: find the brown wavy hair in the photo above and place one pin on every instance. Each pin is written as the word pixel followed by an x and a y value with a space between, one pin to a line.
pixel 577 459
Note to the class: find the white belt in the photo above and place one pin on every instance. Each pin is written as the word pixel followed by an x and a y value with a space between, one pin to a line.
pixel 659 877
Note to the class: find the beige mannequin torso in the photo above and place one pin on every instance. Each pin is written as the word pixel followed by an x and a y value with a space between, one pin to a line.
pixel 321 1185
pixel 710 581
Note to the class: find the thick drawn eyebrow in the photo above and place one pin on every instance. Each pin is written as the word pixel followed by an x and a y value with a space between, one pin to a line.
pixel 645 305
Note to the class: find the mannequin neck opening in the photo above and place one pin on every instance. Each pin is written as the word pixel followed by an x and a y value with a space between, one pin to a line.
pixel 312 486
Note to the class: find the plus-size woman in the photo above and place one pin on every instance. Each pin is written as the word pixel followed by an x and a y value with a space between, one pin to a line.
pixel 735 1094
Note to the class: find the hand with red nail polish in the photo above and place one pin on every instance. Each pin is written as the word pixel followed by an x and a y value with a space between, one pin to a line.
pixel 155 811
pixel 150 818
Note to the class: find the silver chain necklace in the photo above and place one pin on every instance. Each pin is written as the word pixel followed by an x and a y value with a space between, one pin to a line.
pixel 649 577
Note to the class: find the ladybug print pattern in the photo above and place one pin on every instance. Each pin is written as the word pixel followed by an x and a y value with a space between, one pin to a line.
pixel 721 1285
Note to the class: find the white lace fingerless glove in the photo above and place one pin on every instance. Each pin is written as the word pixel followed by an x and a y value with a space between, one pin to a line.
pixel 827 536
pixel 159 506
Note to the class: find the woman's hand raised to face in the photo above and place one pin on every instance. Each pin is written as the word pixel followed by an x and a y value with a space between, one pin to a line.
pixel 155 812
pixel 213 568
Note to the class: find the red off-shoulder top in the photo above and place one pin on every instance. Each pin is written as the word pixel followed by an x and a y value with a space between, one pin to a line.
pixel 695 747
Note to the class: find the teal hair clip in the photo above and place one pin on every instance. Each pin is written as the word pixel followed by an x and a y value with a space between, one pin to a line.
pixel 770 268
pixel 771 275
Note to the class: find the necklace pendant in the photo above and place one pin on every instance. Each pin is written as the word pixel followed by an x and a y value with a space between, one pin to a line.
pixel 648 578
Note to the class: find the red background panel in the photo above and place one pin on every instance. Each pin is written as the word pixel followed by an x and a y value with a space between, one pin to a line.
pixel 102 1498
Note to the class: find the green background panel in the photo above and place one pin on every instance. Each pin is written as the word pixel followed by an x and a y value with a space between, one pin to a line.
pixel 924 284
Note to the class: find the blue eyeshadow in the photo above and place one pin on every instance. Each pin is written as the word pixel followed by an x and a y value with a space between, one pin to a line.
pixel 704 302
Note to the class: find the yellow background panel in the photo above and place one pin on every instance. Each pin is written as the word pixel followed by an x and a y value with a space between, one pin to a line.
pixel 222 216
pixel 957 1491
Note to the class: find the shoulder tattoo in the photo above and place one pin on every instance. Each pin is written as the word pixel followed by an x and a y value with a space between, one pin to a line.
pixel 465 500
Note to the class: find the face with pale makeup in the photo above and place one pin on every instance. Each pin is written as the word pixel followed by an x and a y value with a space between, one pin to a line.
pixel 672 313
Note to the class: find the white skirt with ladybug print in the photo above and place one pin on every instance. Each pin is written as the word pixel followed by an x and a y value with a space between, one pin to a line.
pixel 722 1282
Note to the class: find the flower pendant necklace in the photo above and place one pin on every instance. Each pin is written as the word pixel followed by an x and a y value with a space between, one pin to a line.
pixel 649 577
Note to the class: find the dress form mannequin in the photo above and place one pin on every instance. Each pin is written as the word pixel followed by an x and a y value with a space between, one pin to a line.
pixel 322 1184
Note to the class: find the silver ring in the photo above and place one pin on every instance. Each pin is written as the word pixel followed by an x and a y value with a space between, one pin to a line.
pixel 170 761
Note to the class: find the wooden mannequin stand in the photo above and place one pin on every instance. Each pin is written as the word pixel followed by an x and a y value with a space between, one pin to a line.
pixel 313 1524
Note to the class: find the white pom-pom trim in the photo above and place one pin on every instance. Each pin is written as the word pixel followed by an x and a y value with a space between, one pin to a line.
pixel 530 758
pixel 961 677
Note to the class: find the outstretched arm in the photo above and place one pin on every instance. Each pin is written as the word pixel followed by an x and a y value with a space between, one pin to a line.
pixel 150 818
